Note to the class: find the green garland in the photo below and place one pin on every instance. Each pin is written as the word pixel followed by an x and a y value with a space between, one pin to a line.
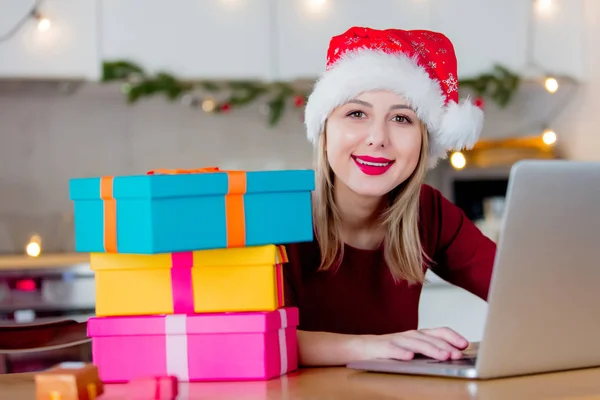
pixel 499 85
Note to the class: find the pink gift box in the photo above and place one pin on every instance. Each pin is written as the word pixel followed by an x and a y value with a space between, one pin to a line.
pixel 197 347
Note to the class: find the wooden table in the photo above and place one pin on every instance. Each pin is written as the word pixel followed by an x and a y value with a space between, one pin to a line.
pixel 346 384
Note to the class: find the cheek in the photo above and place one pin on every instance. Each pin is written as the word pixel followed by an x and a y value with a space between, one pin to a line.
pixel 340 145
pixel 345 135
pixel 408 146
pixel 336 155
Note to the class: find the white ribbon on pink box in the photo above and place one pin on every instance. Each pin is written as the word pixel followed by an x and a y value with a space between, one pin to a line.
pixel 283 354
pixel 177 345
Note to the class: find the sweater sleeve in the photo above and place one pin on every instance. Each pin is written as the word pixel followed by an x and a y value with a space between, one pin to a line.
pixel 463 255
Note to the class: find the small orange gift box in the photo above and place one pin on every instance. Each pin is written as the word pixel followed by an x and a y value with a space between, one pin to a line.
pixel 69 381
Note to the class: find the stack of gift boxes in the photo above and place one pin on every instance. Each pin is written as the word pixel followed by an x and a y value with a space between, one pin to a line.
pixel 188 269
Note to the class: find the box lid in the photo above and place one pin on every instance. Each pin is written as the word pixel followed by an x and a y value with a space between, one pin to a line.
pixel 236 256
pixel 242 322
pixel 192 184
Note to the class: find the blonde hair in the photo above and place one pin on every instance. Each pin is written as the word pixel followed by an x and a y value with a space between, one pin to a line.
pixel 402 251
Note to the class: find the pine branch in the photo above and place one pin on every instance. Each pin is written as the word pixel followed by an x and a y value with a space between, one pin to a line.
pixel 500 85
pixel 120 70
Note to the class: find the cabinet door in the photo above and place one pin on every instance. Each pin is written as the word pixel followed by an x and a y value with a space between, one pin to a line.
pixel 68 49
pixel 560 37
pixel 190 38
pixel 306 26
pixel 484 32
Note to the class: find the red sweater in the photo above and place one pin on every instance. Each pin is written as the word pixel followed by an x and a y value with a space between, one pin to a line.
pixel 361 296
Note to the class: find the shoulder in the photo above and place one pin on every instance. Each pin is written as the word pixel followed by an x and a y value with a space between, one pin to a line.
pixel 431 207
pixel 429 197
pixel 439 219
pixel 432 203
pixel 460 252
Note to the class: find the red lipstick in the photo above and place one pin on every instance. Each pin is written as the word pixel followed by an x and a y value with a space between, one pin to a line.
pixel 373 165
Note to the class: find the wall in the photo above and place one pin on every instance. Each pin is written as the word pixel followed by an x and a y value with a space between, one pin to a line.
pixel 47 140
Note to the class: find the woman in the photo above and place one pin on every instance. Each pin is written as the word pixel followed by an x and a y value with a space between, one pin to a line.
pixel 385 110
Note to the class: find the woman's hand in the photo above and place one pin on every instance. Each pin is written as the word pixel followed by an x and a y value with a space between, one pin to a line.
pixel 439 343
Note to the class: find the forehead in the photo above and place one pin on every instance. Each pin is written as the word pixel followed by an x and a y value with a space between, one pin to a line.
pixel 381 95
pixel 380 98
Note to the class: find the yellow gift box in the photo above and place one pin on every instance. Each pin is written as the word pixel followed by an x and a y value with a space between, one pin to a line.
pixel 204 281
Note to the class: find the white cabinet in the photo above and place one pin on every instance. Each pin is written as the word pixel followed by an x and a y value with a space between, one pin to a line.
pixel 276 39
pixel 306 26
pixel 67 50
pixel 484 32
pixel 559 38
pixel 514 33
pixel 211 39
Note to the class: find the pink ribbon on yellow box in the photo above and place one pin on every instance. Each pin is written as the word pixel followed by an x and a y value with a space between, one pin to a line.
pixel 183 287
pixel 181 281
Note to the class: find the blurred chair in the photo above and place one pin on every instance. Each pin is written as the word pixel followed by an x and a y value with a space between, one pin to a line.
pixel 37 346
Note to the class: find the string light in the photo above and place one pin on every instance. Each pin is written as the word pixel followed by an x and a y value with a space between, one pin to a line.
pixel 544 5
pixel 43 23
pixel 458 160
pixel 551 85
pixel 316 5
pixel 208 105
pixel 549 137
pixel 34 247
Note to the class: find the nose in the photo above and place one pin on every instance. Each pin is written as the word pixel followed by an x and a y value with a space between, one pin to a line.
pixel 378 136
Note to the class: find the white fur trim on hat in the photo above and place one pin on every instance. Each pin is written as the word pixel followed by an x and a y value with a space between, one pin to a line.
pixel 451 126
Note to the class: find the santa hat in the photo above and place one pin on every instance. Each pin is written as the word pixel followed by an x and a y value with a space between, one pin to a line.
pixel 419 65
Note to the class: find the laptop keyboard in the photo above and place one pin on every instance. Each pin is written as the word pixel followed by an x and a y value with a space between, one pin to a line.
pixel 468 360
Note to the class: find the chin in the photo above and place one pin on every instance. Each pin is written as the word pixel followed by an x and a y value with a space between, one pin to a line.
pixel 371 187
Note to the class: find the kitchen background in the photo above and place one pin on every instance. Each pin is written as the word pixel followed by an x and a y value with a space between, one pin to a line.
pixel 59 119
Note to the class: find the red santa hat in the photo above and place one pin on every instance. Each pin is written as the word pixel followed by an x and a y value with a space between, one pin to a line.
pixel 419 65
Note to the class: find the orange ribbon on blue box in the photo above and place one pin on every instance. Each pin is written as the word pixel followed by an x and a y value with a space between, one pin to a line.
pixel 234 205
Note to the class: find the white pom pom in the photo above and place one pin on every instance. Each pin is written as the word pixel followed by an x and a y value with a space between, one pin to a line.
pixel 461 126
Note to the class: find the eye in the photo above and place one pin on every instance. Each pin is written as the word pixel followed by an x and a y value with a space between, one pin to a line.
pixel 356 114
pixel 401 119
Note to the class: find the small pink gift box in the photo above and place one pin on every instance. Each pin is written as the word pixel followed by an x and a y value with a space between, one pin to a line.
pixel 197 347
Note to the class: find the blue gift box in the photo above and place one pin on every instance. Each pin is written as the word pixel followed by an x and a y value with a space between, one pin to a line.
pixel 173 212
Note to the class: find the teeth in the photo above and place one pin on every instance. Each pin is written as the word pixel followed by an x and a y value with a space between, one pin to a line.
pixel 372 164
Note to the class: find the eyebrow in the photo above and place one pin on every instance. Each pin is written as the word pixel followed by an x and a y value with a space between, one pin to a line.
pixel 394 107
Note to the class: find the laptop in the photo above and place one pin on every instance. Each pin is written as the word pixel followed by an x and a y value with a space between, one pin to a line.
pixel 544 298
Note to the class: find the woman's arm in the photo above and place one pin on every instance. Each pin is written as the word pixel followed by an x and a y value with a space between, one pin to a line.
pixel 334 349
pixel 328 349
pixel 463 255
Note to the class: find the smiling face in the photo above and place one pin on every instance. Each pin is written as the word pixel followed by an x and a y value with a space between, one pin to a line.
pixel 373 143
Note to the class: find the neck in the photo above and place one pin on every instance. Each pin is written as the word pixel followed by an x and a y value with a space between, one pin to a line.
pixel 360 224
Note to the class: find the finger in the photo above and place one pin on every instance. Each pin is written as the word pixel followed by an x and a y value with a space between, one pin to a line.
pixel 417 345
pixel 382 347
pixel 438 342
pixel 398 353
pixel 449 336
